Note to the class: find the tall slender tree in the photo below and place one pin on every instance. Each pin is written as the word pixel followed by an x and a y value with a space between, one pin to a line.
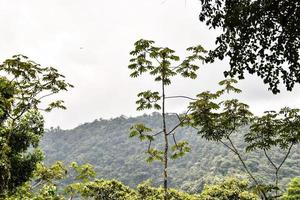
pixel 158 62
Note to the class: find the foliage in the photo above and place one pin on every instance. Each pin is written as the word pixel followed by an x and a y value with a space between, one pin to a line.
pixel 105 144
pixel 84 186
pixel 23 85
pixel 158 62
pixel 258 36
pixel 275 129
pixel 84 174
pixel 42 185
pixel 293 191
pixel 230 188
pixel 108 189
pixel 147 192
pixel 218 120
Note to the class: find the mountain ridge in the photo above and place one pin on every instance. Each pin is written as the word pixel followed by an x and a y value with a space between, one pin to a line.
pixel 105 143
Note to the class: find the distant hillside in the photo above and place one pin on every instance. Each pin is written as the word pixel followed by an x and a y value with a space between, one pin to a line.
pixel 106 145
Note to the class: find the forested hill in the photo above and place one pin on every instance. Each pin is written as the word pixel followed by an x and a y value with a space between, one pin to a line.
pixel 106 145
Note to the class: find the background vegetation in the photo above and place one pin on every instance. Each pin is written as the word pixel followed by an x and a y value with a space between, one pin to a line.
pixel 106 145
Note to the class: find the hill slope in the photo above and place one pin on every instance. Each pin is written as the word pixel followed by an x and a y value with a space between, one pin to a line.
pixel 106 145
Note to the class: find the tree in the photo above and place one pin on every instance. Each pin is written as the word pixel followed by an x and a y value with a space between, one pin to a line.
pixel 259 36
pixel 23 85
pixel 275 130
pixel 189 173
pixel 230 188
pixel 146 192
pixel 83 185
pixel 100 189
pixel 42 185
pixel 293 191
pixel 219 120
pixel 46 181
pixel 84 174
pixel 157 61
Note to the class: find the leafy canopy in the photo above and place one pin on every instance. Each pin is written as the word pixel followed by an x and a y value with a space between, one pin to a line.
pixel 293 190
pixel 230 188
pixel 159 62
pixel 261 37
pixel 163 64
pixel 219 120
pixel 23 85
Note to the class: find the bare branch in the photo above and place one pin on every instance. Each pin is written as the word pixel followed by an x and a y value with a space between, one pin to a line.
pixel 180 96
pixel 176 67
pixel 174 139
pixel 157 133
pixel 226 145
pixel 175 127
pixel 286 156
pixel 177 115
pixel 149 146
pixel 47 95
pixel 242 161
pixel 270 160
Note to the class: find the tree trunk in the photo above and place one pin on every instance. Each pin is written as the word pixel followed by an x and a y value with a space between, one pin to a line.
pixel 166 142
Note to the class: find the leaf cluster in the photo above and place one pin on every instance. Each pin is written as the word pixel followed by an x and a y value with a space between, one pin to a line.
pixel 260 37
pixel 180 149
pixel 148 100
pixel 23 85
pixel 158 61
pixel 293 191
pixel 274 129
pixel 217 119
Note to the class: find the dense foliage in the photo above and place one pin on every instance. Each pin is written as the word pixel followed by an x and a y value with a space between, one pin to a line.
pixel 105 144
pixel 231 188
pixel 217 120
pixel 258 36
pixel 23 85
pixel 293 191
pixel 84 185
pixel 225 138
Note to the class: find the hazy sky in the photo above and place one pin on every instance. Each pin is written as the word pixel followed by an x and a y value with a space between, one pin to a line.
pixel 89 42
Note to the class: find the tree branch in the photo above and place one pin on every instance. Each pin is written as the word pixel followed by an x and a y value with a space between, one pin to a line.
pixel 180 96
pixel 46 95
pixel 242 161
pixel 174 128
pixel 174 139
pixel 226 145
pixel 270 160
pixel 286 156
pixel 157 133
pixel 149 146
pixel 154 57
pixel 178 117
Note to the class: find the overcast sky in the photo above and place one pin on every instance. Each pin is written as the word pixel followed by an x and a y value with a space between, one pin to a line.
pixel 89 42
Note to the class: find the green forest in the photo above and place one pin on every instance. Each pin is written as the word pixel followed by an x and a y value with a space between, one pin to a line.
pixel 218 148
pixel 105 145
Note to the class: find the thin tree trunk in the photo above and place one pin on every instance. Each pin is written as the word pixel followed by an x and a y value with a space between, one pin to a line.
pixel 166 141
pixel 235 150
